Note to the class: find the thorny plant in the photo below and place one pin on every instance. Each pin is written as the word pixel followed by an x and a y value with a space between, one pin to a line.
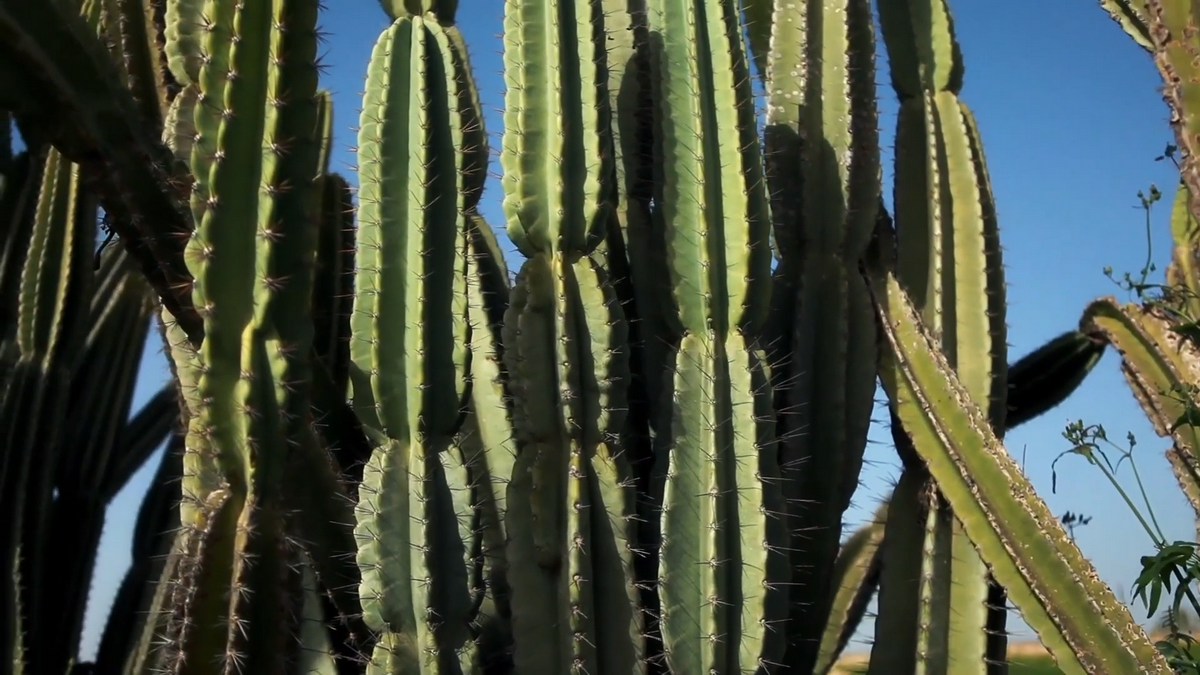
pixel 1174 569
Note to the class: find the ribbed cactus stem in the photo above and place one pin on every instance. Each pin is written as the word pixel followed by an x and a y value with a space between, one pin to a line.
pixel 1134 19
pixel 723 562
pixel 1184 271
pixel 410 332
pixel 1172 31
pixel 1084 626
pixel 822 145
pixel 255 157
pixel 184 39
pixel 51 310
pixel 569 517
pixel 949 261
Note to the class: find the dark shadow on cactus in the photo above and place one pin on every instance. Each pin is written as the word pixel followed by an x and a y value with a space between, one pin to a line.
pixel 635 264
pixel 819 480
pixel 338 426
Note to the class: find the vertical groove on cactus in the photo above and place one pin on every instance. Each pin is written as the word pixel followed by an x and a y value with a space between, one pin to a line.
pixel 723 563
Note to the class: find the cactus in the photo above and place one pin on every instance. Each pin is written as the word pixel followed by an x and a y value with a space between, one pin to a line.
pixel 634 458
pixel 72 340
pixel 948 259
pixel 822 150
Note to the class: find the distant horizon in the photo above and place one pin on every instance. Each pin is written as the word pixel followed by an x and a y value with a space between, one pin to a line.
pixel 1071 121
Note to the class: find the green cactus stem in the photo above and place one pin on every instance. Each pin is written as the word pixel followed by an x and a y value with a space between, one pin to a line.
pixel 1084 626
pixel 855 579
pixel 948 258
pixel 822 150
pixel 1045 377
pixel 722 587
pixel 1134 19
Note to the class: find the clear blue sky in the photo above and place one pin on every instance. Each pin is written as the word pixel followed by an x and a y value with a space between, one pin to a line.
pixel 1071 120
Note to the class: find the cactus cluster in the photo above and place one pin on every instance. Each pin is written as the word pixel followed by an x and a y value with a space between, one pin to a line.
pixel 389 457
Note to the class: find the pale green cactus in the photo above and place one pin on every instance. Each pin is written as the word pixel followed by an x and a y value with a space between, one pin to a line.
pixel 948 260
pixel 633 459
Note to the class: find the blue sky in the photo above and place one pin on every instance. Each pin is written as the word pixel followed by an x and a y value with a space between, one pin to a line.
pixel 1071 120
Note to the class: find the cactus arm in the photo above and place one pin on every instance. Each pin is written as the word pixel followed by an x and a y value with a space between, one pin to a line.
pixel 197 629
pixel 856 577
pixel 1075 615
pixel 486 439
pixel 922 51
pixel 1037 382
pixel 555 147
pixel 382 527
pixel 1184 271
pixel 98 401
pixel 53 307
pixel 52 272
pixel 227 160
pixel 1171 27
pixel 915 547
pixel 130 25
pixel 1133 17
pixel 1046 376
pixel 183 39
pixel 128 643
pixel 470 134
pixel 634 255
pixel 404 230
pixel 1161 366
pixel 140 437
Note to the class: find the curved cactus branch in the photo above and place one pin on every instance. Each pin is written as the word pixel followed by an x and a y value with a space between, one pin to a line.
pixel 1161 363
